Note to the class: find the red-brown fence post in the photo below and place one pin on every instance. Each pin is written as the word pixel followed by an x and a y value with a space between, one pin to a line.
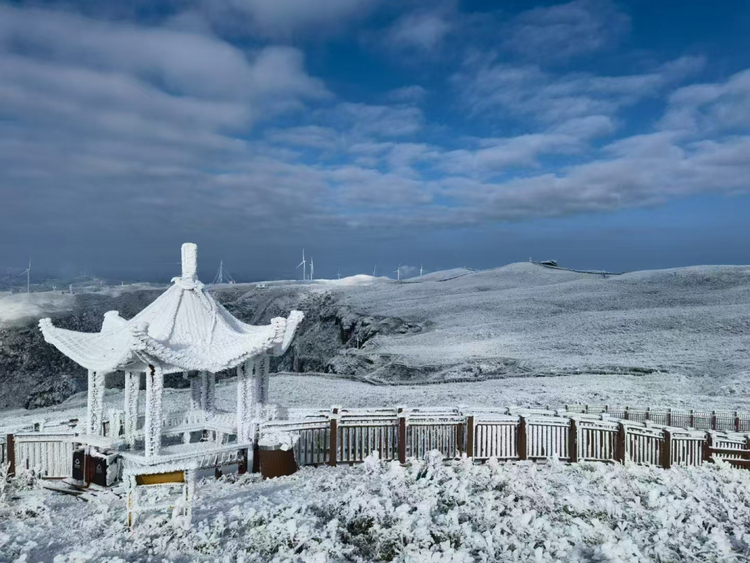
pixel 470 436
pixel 713 421
pixel 242 465
pixel 573 441
pixel 621 453
pixel 691 421
pixel 669 417
pixel 522 445
pixel 402 437
pixel 333 438
pixel 736 421
pixel 666 450
pixel 626 414
pixel 10 447
pixel 648 413
pixel 707 445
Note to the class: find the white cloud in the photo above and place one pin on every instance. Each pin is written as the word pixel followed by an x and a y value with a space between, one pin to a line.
pixel 383 121
pixel 486 87
pixel 424 31
pixel 286 18
pixel 563 31
pixel 707 108
pixel 408 94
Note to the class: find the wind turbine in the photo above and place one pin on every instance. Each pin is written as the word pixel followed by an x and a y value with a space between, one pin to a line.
pixel 420 270
pixel 339 274
pixel 304 266
pixel 398 272
pixel 375 267
pixel 312 268
pixel 219 278
pixel 28 276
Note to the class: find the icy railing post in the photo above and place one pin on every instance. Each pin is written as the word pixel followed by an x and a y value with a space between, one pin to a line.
pixel 189 260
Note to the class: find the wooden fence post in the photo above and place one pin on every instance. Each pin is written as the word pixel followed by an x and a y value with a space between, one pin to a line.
pixel 736 421
pixel 621 453
pixel 333 438
pixel 522 445
pixel 648 413
pixel 402 437
pixel 573 441
pixel 707 445
pixel 242 465
pixel 626 414
pixel 470 436
pixel 10 448
pixel 691 421
pixel 606 408
pixel 669 417
pixel 666 450
pixel 713 420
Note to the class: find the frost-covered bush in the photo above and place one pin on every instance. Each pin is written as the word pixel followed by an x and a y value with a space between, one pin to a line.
pixel 447 512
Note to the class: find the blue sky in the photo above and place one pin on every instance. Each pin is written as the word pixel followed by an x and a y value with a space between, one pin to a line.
pixel 372 132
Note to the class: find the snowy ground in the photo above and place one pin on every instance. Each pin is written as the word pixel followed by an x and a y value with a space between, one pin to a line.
pixel 655 390
pixel 693 321
pixel 426 512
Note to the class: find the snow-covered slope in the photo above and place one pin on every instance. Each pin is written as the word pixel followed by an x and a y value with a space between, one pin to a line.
pixel 688 320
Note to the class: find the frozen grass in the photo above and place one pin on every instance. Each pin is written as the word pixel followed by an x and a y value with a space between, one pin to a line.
pixel 428 511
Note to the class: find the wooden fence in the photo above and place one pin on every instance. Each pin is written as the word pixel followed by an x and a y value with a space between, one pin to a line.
pixel 349 437
pixel 678 418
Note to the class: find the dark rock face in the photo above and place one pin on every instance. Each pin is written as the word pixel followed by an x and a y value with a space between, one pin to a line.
pixel 332 339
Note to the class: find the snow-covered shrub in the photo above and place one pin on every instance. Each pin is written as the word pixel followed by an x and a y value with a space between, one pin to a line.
pixel 425 511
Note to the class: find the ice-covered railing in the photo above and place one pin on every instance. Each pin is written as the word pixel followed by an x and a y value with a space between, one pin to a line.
pixel 348 436
pixel 679 418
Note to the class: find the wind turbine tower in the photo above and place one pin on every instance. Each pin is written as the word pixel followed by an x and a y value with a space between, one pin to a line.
pixel 398 273
pixel 421 269
pixel 312 268
pixel 222 273
pixel 304 266
pixel 28 277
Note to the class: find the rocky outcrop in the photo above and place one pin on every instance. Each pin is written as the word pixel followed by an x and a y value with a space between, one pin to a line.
pixel 332 339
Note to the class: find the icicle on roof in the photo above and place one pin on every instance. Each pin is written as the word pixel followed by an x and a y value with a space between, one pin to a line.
pixel 185 329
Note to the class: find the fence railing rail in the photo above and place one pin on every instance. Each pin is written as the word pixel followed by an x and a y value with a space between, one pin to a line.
pixel 576 433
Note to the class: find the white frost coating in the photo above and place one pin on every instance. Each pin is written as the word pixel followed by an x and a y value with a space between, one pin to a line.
pixel 207 391
pixel 189 260
pixel 152 429
pixel 95 403
pixel 275 439
pixel 132 391
pixel 261 375
pixel 185 329
pixel 195 393
pixel 245 402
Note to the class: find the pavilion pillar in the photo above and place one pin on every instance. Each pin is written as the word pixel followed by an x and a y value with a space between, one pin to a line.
pixel 262 368
pixel 195 392
pixel 132 392
pixel 207 391
pixel 245 402
pixel 152 429
pixel 95 405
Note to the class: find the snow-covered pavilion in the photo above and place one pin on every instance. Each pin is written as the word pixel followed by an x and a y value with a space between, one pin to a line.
pixel 183 330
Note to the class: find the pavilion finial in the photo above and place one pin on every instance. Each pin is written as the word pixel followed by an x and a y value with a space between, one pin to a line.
pixel 189 260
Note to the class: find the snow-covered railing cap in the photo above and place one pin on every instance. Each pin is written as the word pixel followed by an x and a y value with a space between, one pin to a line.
pixel 189 260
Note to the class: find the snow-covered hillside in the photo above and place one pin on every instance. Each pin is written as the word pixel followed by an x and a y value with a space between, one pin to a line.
pixel 520 320
pixel 428 511
pixel 692 321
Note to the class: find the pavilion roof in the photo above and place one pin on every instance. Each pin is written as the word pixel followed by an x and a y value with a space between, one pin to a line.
pixel 184 329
